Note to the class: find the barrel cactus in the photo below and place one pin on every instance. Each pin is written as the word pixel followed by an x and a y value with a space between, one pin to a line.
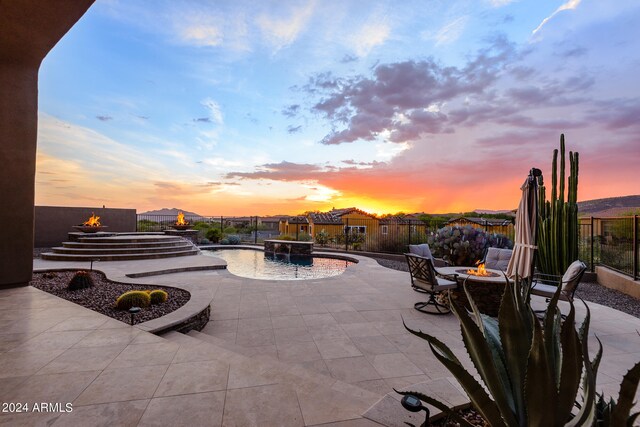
pixel 158 296
pixel 80 280
pixel 133 299
pixel 464 245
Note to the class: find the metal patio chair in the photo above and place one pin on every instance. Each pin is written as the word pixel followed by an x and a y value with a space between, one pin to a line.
pixel 545 285
pixel 425 277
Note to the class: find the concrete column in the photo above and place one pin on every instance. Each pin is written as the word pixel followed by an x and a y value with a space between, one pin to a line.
pixel 28 31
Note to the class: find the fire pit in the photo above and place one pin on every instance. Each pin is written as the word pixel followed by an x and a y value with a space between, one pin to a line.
pixel 181 224
pixel 91 226
pixel 481 271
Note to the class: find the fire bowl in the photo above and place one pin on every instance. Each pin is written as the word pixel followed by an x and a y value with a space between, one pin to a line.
pixel 89 229
pixel 181 227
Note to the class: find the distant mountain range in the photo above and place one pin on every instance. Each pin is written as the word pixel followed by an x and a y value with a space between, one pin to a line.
pixel 170 212
pixel 611 206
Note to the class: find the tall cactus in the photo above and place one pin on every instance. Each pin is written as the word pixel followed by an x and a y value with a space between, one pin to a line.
pixel 557 218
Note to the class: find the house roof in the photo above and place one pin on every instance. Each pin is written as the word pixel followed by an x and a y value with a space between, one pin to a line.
pixel 298 220
pixel 397 220
pixel 345 211
pixel 481 221
pixel 325 218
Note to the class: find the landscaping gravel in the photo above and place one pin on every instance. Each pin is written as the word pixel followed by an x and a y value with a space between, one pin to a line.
pixel 588 291
pixel 102 296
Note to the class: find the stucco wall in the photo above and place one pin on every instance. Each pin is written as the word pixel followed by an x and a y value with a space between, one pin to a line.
pixel 53 223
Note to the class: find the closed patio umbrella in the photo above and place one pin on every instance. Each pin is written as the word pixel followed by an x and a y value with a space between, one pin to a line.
pixel 521 262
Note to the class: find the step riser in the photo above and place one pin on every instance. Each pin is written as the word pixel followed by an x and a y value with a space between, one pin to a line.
pixel 121 257
pixel 128 240
pixel 76 245
pixel 109 251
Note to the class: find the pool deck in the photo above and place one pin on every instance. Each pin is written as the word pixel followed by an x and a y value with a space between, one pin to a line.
pixel 317 352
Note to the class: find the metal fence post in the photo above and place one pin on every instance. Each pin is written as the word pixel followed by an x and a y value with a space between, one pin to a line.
pixel 255 240
pixel 346 236
pixel 221 224
pixel 635 247
pixel 593 267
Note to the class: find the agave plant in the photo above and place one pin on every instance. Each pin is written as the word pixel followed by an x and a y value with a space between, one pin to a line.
pixel 530 369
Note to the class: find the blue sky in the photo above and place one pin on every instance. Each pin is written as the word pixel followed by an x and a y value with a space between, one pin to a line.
pixel 235 107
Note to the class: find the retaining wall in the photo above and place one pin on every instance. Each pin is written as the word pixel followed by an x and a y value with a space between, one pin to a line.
pixel 53 223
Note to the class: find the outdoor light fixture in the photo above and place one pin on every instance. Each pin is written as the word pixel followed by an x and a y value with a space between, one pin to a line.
pixel 412 404
pixel 92 261
pixel 133 311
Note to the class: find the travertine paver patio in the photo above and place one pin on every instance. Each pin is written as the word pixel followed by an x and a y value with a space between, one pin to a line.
pixel 301 352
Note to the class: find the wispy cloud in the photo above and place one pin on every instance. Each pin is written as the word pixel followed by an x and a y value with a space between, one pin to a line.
pixel 104 118
pixel 215 113
pixel 370 35
pixel 569 5
pixel 279 31
pixel 450 32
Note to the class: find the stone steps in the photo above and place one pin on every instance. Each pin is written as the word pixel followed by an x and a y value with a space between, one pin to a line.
pixel 122 248
pixel 177 242
pixel 322 399
pixel 115 251
pixel 119 257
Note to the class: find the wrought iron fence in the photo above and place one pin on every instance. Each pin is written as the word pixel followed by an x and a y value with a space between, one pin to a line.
pixel 611 242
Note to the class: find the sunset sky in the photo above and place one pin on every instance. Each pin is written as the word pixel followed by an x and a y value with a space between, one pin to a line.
pixel 259 107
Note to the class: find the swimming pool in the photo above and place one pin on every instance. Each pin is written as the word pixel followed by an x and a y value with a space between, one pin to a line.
pixel 256 264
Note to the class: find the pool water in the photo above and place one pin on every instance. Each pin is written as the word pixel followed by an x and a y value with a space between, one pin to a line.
pixel 256 264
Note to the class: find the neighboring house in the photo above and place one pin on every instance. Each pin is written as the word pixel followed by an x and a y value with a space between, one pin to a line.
pixel 294 224
pixel 491 225
pixel 334 222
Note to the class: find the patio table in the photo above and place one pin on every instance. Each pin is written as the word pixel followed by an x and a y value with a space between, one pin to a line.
pixel 486 290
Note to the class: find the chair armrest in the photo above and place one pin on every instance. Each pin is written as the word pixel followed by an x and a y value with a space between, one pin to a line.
pixel 439 262
pixel 548 278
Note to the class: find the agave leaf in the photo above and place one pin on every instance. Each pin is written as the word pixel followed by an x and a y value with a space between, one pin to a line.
pixel 516 336
pixel 628 388
pixel 587 413
pixel 476 393
pixel 632 419
pixel 571 367
pixel 552 321
pixel 540 387
pixel 483 361
pixel 439 405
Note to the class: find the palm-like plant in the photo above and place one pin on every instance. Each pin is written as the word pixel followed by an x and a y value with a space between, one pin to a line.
pixel 530 369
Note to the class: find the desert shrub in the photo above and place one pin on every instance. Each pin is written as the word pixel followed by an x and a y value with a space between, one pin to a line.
pixel 304 237
pixel 233 239
pixel 285 237
pixel 158 296
pixel 213 235
pixel 201 226
pixel 80 280
pixel 224 241
pixel 322 238
pixel 464 245
pixel 133 299
pixel 230 230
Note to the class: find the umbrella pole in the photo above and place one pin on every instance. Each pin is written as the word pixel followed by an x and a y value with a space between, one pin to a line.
pixel 534 175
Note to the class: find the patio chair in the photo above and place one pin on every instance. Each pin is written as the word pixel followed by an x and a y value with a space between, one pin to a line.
pixel 569 281
pixel 424 251
pixel 497 258
pixel 425 277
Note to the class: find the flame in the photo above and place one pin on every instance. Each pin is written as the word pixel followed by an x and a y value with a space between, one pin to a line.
pixel 180 220
pixel 94 221
pixel 480 271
